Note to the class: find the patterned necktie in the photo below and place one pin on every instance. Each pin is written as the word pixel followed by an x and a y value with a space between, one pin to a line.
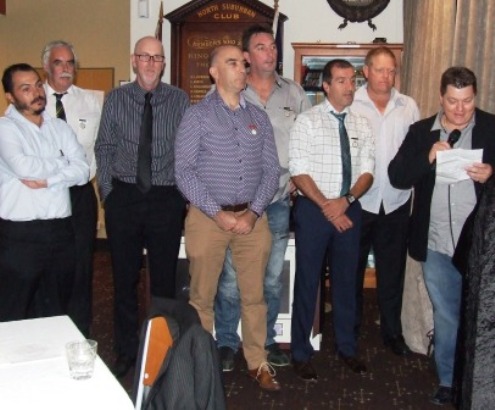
pixel 143 177
pixel 345 152
pixel 59 107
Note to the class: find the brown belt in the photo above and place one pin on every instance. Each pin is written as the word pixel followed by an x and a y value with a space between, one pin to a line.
pixel 235 208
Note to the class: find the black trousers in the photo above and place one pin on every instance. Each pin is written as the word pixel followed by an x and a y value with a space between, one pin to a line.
pixel 36 268
pixel 135 221
pixel 84 219
pixel 387 235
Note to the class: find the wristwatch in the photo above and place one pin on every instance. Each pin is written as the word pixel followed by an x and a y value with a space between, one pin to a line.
pixel 349 198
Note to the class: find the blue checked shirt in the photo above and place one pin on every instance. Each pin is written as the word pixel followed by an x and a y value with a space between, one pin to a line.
pixel 226 157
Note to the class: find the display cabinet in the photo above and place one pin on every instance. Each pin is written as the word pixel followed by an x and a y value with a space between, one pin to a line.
pixel 310 58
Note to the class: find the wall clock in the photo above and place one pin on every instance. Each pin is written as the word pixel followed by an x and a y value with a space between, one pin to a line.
pixel 357 11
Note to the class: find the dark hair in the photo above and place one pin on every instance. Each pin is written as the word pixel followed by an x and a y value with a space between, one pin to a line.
pixel 327 70
pixel 459 77
pixel 376 52
pixel 9 73
pixel 251 31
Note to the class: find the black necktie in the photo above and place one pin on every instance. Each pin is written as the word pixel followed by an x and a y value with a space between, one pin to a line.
pixel 59 107
pixel 143 177
pixel 345 152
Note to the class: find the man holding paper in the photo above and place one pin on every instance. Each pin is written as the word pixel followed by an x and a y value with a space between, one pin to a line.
pixel 440 209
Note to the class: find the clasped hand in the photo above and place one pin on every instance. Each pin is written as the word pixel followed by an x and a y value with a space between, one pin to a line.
pixel 241 224
pixel 334 211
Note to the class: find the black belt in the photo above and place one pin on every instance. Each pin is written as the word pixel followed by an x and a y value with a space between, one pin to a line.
pixel 235 208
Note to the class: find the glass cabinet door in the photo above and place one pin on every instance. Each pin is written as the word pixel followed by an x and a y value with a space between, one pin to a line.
pixel 310 58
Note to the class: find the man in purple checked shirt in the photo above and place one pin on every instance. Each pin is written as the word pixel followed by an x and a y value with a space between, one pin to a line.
pixel 226 165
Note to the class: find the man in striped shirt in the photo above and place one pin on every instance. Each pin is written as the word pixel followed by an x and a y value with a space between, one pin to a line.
pixel 227 167
pixel 140 215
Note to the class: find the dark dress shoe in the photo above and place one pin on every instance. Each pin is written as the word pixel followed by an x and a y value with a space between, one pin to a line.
pixel 356 365
pixel 226 358
pixel 398 346
pixel 122 365
pixel 305 371
pixel 442 396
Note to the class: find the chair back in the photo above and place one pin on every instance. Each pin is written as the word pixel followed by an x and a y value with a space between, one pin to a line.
pixel 158 341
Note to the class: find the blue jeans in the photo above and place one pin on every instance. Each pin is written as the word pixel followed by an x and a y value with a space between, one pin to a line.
pixel 227 302
pixel 444 284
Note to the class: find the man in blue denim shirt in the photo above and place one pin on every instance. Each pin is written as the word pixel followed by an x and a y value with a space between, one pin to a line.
pixel 282 99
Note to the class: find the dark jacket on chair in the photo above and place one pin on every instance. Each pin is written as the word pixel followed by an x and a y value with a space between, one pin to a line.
pixel 189 377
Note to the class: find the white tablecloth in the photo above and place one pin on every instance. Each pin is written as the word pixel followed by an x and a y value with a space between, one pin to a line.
pixel 34 372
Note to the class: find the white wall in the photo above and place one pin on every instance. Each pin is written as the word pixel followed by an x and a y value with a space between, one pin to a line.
pixel 309 21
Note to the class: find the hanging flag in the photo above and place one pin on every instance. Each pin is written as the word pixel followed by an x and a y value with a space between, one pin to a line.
pixel 275 19
pixel 158 30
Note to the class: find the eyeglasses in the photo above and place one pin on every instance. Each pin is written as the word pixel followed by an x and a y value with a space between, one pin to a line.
pixel 145 58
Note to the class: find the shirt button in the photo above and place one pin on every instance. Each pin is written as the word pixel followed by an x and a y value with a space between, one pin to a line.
pixel 240 178
pixel 237 129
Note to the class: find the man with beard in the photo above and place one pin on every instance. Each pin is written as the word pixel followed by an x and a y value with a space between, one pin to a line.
pixel 135 172
pixel 40 159
pixel 81 109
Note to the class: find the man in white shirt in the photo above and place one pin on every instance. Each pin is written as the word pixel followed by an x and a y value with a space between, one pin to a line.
pixel 385 208
pixel 82 110
pixel 40 159
pixel 331 161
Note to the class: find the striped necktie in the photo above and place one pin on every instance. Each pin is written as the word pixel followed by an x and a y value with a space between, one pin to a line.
pixel 143 177
pixel 59 107
pixel 345 152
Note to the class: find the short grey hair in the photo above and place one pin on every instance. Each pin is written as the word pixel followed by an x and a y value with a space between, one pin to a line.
pixel 45 54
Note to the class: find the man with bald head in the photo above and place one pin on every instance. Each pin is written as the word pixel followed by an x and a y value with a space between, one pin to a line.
pixel 226 165
pixel 135 174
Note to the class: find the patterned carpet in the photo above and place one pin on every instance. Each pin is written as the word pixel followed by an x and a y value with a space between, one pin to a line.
pixel 391 382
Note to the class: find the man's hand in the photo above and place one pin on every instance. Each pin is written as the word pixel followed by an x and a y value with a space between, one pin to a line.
pixel 35 184
pixel 245 223
pixel 342 223
pixel 479 172
pixel 333 208
pixel 292 188
pixel 437 146
pixel 225 220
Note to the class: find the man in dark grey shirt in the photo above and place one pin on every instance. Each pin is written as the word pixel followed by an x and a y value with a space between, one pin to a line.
pixel 143 209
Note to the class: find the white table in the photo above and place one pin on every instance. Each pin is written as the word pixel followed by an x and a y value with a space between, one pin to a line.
pixel 34 372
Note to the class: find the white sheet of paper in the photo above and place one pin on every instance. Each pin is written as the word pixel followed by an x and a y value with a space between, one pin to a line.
pixel 452 163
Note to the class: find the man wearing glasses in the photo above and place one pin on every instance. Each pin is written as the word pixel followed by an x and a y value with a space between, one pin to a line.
pixel 135 174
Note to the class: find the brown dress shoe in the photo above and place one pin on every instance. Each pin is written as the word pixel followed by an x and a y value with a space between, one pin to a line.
pixel 265 376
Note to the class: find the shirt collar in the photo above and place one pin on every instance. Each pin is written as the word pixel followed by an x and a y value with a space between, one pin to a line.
pixel 395 97
pixel 140 92
pixel 12 112
pixel 51 91
pixel 278 80
pixel 218 99
pixel 330 108
pixel 437 124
